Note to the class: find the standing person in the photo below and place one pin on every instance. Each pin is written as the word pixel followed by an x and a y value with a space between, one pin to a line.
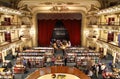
pixel 65 60
pixel 28 64
pixel 97 70
pixel 24 62
pixel 100 71
pixel 53 60
pixel 90 74
pixel 48 61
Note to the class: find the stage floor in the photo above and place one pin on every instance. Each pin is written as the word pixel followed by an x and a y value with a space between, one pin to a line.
pixel 59 76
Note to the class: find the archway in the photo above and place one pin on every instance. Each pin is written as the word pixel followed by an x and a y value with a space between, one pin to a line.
pixel 71 21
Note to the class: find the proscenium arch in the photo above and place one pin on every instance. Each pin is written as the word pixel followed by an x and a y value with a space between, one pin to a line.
pixel 83 28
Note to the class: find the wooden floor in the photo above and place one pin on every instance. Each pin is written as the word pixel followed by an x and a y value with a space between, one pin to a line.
pixel 57 69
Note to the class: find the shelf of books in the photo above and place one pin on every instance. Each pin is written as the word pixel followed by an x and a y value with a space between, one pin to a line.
pixel 36 56
pixel 79 55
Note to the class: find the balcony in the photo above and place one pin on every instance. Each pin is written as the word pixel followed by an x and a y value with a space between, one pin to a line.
pixel 101 39
pixel 110 44
pixel 4 23
pixel 15 25
pixel 6 45
pixel 26 38
pixel 91 38
pixel 109 24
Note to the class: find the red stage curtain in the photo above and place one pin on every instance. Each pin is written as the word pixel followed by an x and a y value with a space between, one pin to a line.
pixel 45 29
pixel 74 30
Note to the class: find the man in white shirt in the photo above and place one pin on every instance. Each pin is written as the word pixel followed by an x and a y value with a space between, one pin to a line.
pixel 103 67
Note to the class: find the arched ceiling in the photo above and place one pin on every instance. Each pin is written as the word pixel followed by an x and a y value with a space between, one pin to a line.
pixel 50 6
pixel 45 5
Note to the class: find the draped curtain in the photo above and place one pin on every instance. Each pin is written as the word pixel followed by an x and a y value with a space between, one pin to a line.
pixel 45 29
pixel 74 30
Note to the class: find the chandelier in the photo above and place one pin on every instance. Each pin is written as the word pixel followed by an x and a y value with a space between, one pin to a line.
pixel 59 8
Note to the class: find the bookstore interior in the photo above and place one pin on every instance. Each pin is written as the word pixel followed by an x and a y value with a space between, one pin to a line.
pixel 59 39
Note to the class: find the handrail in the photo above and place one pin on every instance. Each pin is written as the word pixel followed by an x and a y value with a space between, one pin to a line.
pixel 109 23
pixel 108 43
pixel 8 43
pixel 4 23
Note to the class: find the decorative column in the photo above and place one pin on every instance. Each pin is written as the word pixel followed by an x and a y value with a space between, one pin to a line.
pixel 104 51
pixel 3 55
pixel 118 18
pixel 97 48
pixel 114 57
pixel 21 49
pixel 13 51
pixel 5 52
pixel 87 43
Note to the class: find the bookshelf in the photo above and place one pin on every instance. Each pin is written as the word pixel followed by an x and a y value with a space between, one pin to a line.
pixel 78 55
pixel 37 55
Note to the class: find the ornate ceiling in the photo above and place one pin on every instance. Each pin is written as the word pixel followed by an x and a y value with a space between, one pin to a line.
pixel 45 6
pixel 48 6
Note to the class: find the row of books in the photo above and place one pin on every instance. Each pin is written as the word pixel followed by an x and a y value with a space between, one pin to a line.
pixel 82 54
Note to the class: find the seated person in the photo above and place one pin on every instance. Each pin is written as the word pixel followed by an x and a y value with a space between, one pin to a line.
pixel 59 58
pixel 60 44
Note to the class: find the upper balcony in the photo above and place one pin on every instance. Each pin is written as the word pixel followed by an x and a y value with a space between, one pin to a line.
pixel 9 26
pixel 6 25
pixel 109 24
pixel 110 45
pixel 6 45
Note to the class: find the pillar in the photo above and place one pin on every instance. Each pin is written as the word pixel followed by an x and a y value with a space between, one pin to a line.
pixel 87 43
pixel 105 52
pixel 114 58
pixel 97 48
pixel 21 49
pixel 3 55
pixel 13 51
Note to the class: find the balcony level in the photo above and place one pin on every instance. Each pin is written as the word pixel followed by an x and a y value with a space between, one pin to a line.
pixel 109 24
pixel 7 26
pixel 110 45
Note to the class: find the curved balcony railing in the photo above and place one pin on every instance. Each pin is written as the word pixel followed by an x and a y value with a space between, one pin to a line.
pixel 4 23
pixel 109 23
pixel 112 43
pixel 10 26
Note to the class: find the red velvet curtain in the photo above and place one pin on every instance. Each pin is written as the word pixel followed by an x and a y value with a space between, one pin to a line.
pixel 45 29
pixel 74 30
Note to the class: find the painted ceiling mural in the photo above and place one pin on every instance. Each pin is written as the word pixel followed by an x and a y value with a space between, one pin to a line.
pixel 14 3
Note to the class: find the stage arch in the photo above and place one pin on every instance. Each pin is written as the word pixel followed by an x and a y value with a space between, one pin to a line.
pixel 71 21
